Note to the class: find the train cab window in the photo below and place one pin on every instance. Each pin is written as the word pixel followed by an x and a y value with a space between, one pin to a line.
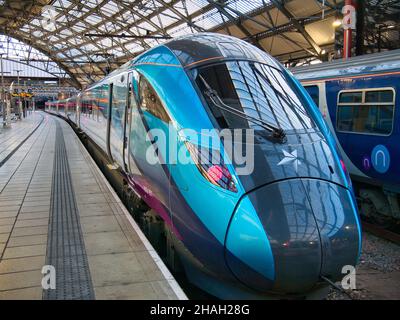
pixel 250 95
pixel 313 91
pixel 149 101
pixel 367 111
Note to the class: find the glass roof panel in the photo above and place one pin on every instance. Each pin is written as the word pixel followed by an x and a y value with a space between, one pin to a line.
pixel 74 19
pixel 32 62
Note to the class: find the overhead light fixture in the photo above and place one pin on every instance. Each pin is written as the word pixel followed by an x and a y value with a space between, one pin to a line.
pixel 323 51
pixel 337 23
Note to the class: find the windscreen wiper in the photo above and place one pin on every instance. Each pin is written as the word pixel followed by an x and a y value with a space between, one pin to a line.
pixel 277 133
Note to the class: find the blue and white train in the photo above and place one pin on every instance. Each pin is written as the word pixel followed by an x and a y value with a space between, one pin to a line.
pixel 359 99
pixel 283 229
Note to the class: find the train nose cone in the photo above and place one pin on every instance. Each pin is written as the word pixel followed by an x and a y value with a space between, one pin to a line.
pixel 338 223
pixel 274 240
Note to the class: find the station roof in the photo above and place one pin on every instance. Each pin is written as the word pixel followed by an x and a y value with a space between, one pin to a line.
pixel 88 38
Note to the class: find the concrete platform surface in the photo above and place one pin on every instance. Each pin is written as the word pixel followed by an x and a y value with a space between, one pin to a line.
pixel 57 208
pixel 12 136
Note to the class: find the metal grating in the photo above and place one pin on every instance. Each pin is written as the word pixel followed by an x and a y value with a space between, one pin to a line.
pixel 65 244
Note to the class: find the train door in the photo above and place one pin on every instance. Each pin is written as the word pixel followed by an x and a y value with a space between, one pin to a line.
pixel 109 106
pixel 135 144
pixel 118 102
pixel 317 93
pixel 143 149
pixel 135 132
pixel 130 104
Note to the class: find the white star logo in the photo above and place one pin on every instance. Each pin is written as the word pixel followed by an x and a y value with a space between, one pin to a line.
pixel 290 157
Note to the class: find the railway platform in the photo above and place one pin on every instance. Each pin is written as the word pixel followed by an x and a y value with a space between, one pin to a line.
pixel 13 136
pixel 60 216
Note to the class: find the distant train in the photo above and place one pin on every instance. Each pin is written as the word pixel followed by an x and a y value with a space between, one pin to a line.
pixel 281 230
pixel 360 102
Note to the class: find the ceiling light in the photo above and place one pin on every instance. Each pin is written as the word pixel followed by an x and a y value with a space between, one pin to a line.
pixel 337 23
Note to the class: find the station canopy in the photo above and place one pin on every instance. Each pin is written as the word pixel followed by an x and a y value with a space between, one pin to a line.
pixel 89 38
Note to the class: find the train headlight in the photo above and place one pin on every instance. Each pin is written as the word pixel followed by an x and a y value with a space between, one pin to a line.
pixel 211 165
pixel 346 172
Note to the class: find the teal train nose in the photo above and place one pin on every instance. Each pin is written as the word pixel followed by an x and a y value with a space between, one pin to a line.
pixel 284 244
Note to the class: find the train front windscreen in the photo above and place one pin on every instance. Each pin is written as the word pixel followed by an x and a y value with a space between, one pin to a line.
pixel 243 94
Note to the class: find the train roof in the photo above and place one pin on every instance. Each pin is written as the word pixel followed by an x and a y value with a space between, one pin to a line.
pixel 195 48
pixel 204 47
pixel 375 63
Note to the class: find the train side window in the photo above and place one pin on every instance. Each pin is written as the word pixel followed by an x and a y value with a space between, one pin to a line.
pixel 379 96
pixel 313 91
pixel 367 111
pixel 149 101
pixel 350 97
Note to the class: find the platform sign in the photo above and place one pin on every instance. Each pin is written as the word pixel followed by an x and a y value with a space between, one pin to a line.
pixel 349 17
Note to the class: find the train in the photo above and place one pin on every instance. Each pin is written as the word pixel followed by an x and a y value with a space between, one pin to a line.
pixel 359 101
pixel 282 227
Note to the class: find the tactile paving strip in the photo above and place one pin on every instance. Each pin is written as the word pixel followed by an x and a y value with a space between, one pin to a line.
pixel 65 244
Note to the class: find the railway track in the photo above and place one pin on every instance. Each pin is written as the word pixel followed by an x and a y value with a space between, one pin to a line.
pixel 381 232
